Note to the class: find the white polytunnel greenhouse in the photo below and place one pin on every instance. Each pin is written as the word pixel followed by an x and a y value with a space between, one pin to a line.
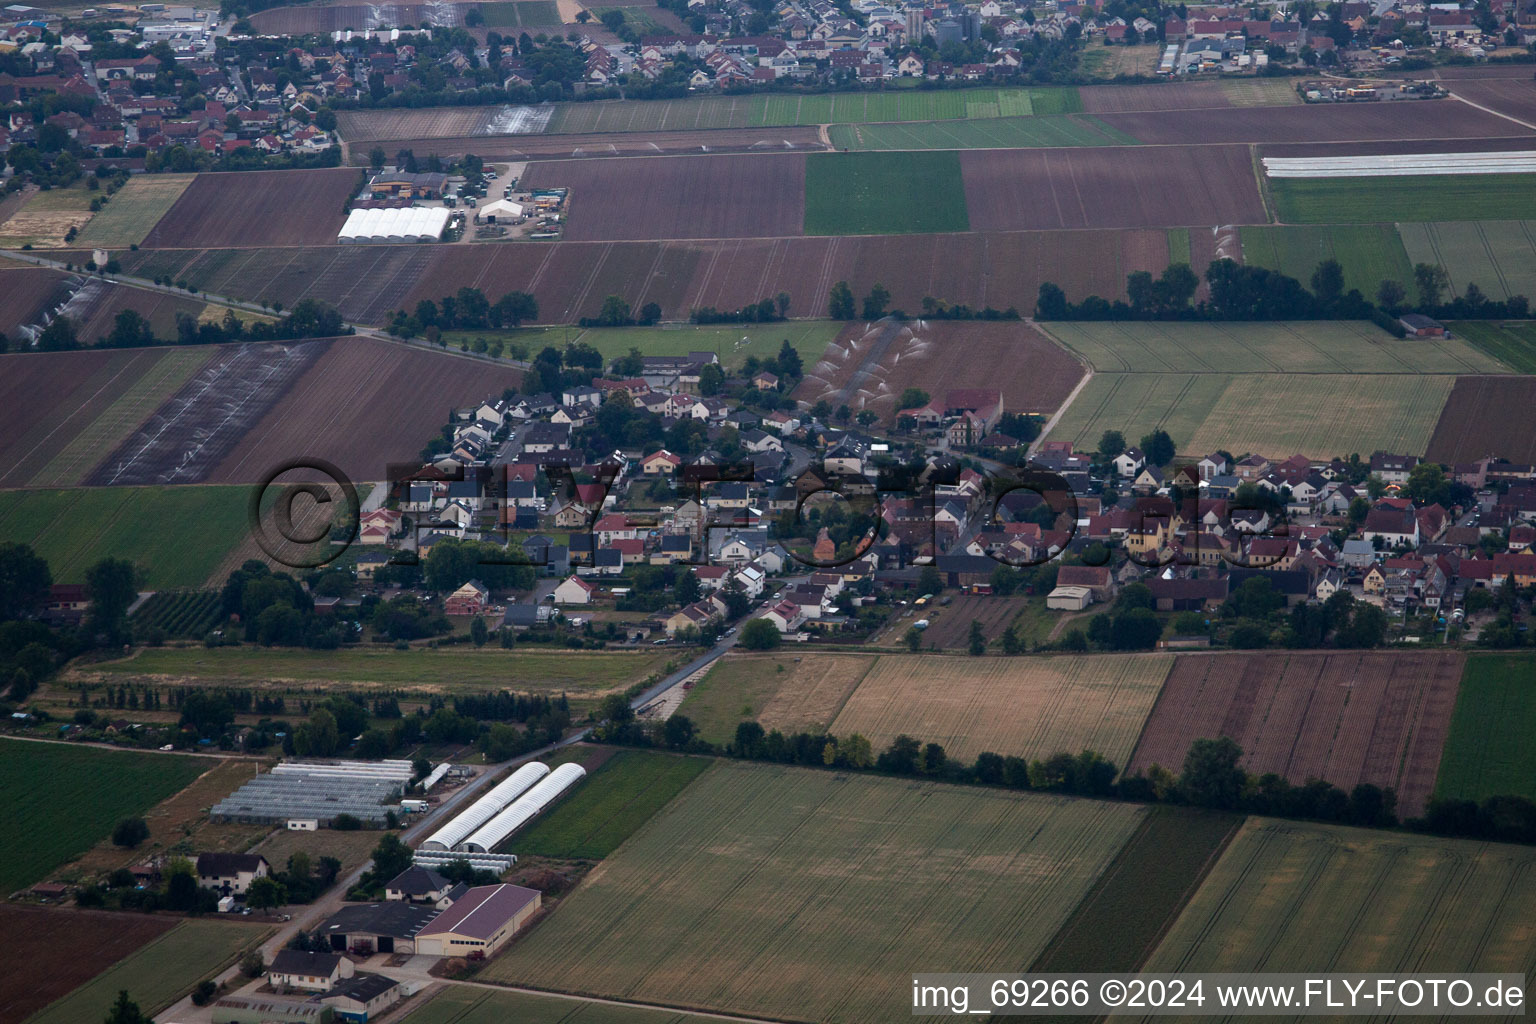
pixel 397 224
pixel 485 808
pixel 524 809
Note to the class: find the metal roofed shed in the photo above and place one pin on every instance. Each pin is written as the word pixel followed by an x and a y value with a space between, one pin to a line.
pixel 389 927
pixel 482 920
pixel 484 809
pixel 260 1009
pixel 523 810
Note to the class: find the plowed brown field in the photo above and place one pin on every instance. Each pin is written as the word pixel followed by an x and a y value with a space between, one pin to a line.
pixel 25 292
pixel 1011 190
pixel 869 365
pixel 551 147
pixel 1467 431
pixel 63 949
pixel 1335 122
pixel 1347 718
pixel 679 197
pixel 257 208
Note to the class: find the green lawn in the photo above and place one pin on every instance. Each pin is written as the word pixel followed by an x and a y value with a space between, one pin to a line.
pixel 176 535
pixel 995 133
pixel 1511 342
pixel 1406 198
pixel 57 805
pixel 460 669
pixel 733 344
pixel 1489 751
pixel 1368 253
pixel 610 805
pixel 133 209
pixel 873 194
pixel 159 973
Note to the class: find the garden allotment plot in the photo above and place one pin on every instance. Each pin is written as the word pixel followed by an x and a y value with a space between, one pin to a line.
pixel 810 895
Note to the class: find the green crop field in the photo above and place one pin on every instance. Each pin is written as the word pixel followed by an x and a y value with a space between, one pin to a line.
pixel 1489 750
pixel 159 973
pixel 607 807
pixel 733 344
pixel 117 420
pixel 57 807
pixel 1392 199
pixel 1368 253
pixel 133 210
pixel 1178 247
pixel 1319 415
pixel 421 669
pixel 1138 897
pixel 791 693
pixel 874 194
pixel 456 1004
pixel 1512 343
pixel 176 535
pixel 522 14
pixel 1315 346
pixel 1288 896
pixel 996 133
pixel 783 111
pixel 797 894
pixel 1498 256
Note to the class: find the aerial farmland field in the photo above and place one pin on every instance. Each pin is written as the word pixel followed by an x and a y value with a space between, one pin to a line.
pixel 1466 431
pixel 457 1004
pixel 1136 403
pixel 757 875
pixel 25 292
pixel 1488 752
pixel 133 210
pixel 1024 707
pixel 1346 718
pixel 1368 253
pixel 1496 255
pixel 58 807
pixel 158 973
pixel 791 693
pixel 996 133
pixel 176 535
pixel 45 218
pixel 867 193
pixel 69 946
pixel 257 208
pixel 1288 896
pixel 1301 347
pixel 1512 343
pixel 1430 197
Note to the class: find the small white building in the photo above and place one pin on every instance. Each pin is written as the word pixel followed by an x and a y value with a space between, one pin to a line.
pixel 311 972
pixel 1069 599
pixel 574 590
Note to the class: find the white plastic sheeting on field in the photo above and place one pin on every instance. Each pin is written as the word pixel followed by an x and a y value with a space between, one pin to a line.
pixel 1393 165
pixel 485 808
pixel 398 224
pixel 524 809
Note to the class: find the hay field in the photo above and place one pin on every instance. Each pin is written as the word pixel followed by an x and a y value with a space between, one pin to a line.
pixel 788 692
pixel 1029 707
pixel 808 895
pixel 1300 897
pixel 46 217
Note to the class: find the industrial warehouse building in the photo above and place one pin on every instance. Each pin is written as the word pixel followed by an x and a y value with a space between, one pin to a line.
pixel 389 927
pixel 482 920
pixel 401 224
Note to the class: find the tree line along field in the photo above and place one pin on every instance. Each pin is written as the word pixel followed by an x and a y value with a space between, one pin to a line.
pixel 1466 431
pixel 57 806
pixel 734 343
pixel 69 946
pixel 1488 751
pixel 791 693
pixel 450 670
pixel 711 904
pixel 1368 253
pixel 1431 197
pixel 157 974
pixel 459 1004
pixel 615 800
pixel 1496 255
pixel 133 210
pixel 1332 347
pixel 1344 718
pixel 176 535
pixel 1024 707
pixel 1263 413
pixel 1289 896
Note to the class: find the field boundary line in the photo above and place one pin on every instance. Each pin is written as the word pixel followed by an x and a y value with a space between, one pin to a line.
pixel 1495 113
pixel 1271 211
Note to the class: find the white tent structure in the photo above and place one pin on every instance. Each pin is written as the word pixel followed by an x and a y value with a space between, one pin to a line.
pixel 485 808
pixel 524 809
pixel 398 224
pixel 501 210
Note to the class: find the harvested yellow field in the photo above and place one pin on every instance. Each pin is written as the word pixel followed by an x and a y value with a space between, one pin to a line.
pixel 46 217
pixel 1029 707
pixel 788 692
